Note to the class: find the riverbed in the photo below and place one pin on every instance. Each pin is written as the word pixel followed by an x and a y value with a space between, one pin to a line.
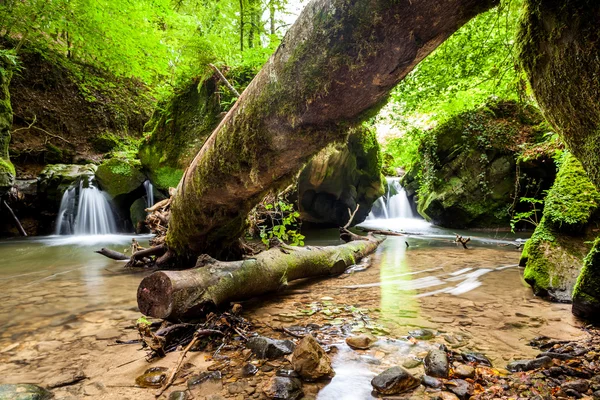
pixel 64 306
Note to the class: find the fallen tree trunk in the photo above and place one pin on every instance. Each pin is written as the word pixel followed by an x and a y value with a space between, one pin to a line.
pixel 178 294
pixel 335 67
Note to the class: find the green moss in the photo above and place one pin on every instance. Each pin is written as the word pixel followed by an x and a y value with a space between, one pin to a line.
pixel 586 294
pixel 573 199
pixel 177 130
pixel 7 169
pixel 118 176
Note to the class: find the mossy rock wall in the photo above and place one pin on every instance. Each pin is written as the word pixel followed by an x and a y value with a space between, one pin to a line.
pixel 177 130
pixel 56 178
pixel 554 255
pixel 7 169
pixel 120 177
pixel 339 178
pixel 466 176
pixel 586 293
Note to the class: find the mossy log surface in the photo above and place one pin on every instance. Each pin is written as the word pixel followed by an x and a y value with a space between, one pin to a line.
pixel 181 294
pixel 334 68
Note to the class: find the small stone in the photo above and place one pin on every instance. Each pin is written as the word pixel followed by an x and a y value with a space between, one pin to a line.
pixel 444 396
pixel 436 364
pixel 282 388
pixel 237 387
pixel 152 377
pixel 464 371
pixel 394 380
pixel 528 365
pixel 578 385
pixel 479 358
pixel 196 380
pixel 361 342
pixel 249 370
pixel 24 391
pixel 462 389
pixel 310 361
pixel 422 334
pixel 178 395
pixel 267 348
pixel 411 363
pixel 431 382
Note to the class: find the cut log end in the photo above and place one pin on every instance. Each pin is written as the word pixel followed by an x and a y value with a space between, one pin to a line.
pixel 155 295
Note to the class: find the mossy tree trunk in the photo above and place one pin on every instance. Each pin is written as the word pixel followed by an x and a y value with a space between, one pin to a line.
pixel 335 66
pixel 180 294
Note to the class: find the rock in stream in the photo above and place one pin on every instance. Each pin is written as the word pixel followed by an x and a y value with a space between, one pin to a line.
pixel 394 380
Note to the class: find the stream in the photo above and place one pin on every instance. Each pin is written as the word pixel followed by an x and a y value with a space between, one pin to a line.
pixel 64 306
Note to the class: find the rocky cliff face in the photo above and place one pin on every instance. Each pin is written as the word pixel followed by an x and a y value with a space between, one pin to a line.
pixel 467 175
pixel 341 177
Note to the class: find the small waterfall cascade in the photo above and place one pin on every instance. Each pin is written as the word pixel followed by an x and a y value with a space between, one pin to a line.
pixel 393 204
pixel 149 193
pixel 85 210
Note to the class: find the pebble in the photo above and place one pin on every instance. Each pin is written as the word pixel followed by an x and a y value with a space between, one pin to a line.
pixel 152 377
pixel 431 382
pixel 361 342
pixel 283 388
pixel 411 363
pixel 528 365
pixel 249 370
pixel 422 334
pixel 24 391
pixel 578 385
pixel 178 395
pixel 479 358
pixel 460 388
pixel 267 348
pixel 464 371
pixel 394 380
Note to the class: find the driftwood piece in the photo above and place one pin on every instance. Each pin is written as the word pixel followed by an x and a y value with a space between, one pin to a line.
pixel 180 294
pixel 225 81
pixel 115 255
pixel 463 241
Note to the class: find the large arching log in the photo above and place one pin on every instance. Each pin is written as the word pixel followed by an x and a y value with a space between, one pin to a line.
pixel 337 63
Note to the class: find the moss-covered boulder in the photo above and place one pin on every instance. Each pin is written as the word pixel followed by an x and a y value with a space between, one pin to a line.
pixel 137 213
pixel 7 169
pixel 339 178
pixel 120 177
pixel 586 293
pixel 553 256
pixel 56 178
pixel 177 130
pixel 467 173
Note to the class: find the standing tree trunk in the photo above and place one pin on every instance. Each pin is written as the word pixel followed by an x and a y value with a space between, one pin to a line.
pixel 242 26
pixel 334 68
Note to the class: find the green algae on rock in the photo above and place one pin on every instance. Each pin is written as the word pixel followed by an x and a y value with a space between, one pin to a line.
pixel 554 254
pixel 586 293
pixel 339 178
pixel 56 178
pixel 119 176
pixel 7 169
pixel 178 129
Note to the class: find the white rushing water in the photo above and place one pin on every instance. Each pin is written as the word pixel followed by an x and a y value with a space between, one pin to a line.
pixel 393 204
pixel 149 193
pixel 85 210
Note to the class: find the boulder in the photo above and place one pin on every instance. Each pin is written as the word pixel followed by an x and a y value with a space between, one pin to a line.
pixel 56 178
pixel 339 178
pixel 586 293
pixel 267 348
pixel 120 177
pixel 137 213
pixel 467 173
pixel 178 129
pixel 554 254
pixel 310 361
pixel 394 380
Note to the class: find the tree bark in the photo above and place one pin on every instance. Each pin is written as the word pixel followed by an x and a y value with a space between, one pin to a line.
pixel 180 294
pixel 334 68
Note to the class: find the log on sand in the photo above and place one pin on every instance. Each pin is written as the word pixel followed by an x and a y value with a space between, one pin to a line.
pixel 181 294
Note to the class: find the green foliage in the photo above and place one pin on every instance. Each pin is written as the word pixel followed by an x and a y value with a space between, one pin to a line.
pixel 476 62
pixel 530 216
pixel 284 219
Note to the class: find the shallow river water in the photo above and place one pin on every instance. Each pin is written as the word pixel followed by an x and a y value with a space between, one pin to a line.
pixel 63 306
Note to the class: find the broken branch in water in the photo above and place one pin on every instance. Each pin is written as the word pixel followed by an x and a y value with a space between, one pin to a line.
pixel 114 255
pixel 463 241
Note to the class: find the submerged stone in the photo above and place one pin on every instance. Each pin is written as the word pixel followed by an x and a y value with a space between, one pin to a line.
pixel 267 348
pixel 528 365
pixel 462 389
pixel 422 334
pixel 178 395
pixel 24 391
pixel 475 357
pixel 283 388
pixel 394 380
pixel 152 377
pixel 249 370
pixel 361 342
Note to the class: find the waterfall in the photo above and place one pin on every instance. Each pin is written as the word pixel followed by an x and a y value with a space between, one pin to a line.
pixel 149 193
pixel 393 204
pixel 85 210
